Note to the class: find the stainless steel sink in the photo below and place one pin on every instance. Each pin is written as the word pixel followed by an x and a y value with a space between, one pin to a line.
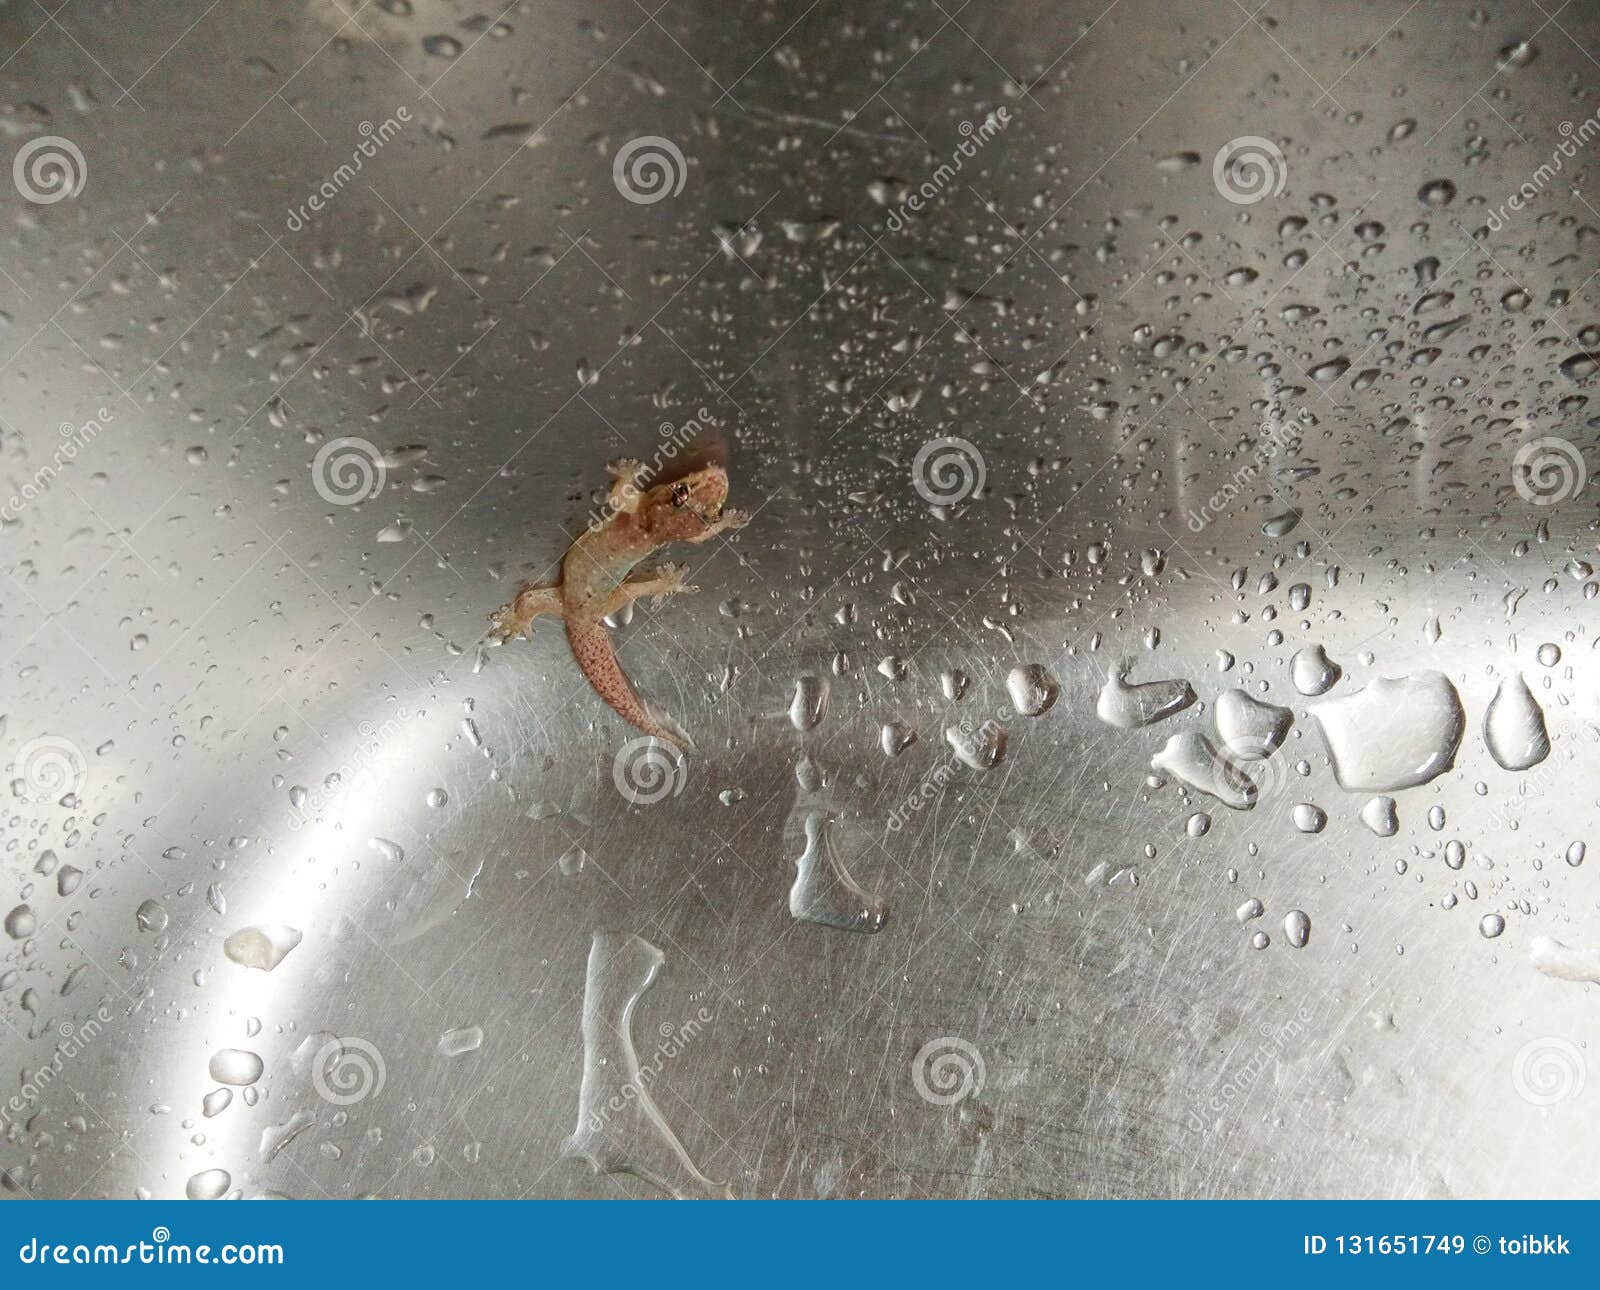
pixel 1058 349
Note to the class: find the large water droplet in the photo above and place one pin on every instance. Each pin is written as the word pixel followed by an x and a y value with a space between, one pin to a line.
pixel 1394 733
pixel 1513 726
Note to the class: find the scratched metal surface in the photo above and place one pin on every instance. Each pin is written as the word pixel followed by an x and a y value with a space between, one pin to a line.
pixel 193 630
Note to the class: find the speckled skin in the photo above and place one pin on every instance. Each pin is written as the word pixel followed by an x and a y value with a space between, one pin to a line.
pixel 597 578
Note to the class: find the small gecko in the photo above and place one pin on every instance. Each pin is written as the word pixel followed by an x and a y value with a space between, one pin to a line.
pixel 598 578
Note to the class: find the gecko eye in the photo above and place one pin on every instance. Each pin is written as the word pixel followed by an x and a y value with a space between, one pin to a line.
pixel 680 494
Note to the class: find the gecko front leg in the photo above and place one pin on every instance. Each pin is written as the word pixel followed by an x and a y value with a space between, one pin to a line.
pixel 726 522
pixel 658 584
pixel 625 493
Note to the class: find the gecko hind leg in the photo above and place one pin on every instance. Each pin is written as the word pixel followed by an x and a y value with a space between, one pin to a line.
pixel 514 620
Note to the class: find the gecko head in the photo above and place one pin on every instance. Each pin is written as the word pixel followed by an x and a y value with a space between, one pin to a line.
pixel 682 509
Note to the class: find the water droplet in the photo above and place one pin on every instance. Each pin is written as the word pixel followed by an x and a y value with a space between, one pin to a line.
pixel 1394 733
pixel 1130 707
pixel 150 916
pixel 1437 193
pixel 208 1184
pixel 1032 688
pixel 823 890
pixel 235 1066
pixel 1309 818
pixel 810 702
pixel 980 748
pixel 467 1039
pixel 1248 727
pixel 262 947
pixel 1194 760
pixel 1513 726
pixel 620 1127
pixel 1313 672
pixel 1379 816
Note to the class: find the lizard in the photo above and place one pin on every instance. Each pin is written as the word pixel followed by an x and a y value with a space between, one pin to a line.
pixel 598 578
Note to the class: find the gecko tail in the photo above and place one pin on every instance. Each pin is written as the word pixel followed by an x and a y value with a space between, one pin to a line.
pixel 667 727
